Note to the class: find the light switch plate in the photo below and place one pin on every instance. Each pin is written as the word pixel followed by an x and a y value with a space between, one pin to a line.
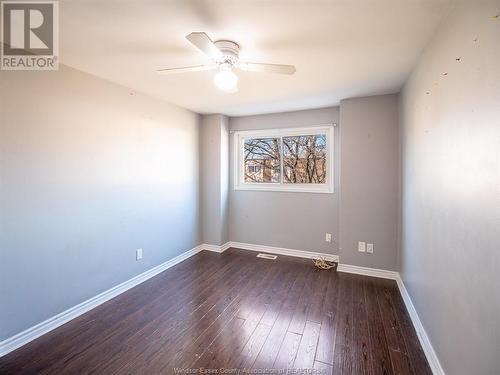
pixel 328 237
pixel 369 248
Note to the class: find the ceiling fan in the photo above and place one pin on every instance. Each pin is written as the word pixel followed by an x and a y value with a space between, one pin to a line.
pixel 225 56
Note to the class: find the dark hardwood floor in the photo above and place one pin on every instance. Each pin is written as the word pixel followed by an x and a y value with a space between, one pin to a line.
pixel 234 310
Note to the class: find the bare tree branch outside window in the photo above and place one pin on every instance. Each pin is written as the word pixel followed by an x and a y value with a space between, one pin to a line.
pixel 304 159
pixel 262 160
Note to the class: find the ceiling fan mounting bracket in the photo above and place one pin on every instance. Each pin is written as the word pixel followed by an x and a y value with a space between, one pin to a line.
pixel 230 51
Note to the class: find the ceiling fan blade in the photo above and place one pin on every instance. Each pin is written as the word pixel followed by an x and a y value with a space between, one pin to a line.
pixel 266 68
pixel 205 44
pixel 186 69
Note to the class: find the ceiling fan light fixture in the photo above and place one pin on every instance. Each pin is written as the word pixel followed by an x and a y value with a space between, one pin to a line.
pixel 225 79
pixel 225 55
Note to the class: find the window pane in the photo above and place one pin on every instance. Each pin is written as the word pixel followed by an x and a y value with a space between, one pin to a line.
pixel 262 160
pixel 304 159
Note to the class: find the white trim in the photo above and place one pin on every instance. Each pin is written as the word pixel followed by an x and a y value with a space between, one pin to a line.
pixel 374 272
pixel 430 354
pixel 282 251
pixel 226 246
pixel 239 137
pixel 215 248
pixel 48 325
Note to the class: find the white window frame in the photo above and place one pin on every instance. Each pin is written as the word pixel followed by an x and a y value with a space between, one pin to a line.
pixel 239 167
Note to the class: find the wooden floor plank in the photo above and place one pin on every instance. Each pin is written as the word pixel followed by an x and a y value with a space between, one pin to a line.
pixel 380 357
pixel 307 348
pixel 317 301
pixel 324 368
pixel 414 349
pixel 326 341
pixel 361 341
pixel 397 347
pixel 269 352
pixel 288 351
pixel 279 296
pixel 343 350
pixel 235 310
pixel 247 356
pixel 222 346
pixel 300 315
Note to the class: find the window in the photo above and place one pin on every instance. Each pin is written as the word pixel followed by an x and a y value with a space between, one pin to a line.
pixel 296 159
pixel 262 160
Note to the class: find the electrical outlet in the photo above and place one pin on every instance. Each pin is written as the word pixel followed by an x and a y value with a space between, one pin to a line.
pixel 369 248
pixel 361 247
pixel 328 237
pixel 138 254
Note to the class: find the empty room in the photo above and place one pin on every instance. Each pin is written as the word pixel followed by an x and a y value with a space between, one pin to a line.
pixel 250 187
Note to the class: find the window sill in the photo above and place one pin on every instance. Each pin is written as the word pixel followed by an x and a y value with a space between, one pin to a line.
pixel 287 189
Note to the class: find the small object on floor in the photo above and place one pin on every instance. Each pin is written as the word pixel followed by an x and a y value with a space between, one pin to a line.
pixel 323 264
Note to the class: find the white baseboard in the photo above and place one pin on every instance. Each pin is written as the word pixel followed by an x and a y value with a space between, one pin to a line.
pixel 375 272
pixel 282 251
pixel 48 325
pixel 226 246
pixel 215 248
pixel 430 354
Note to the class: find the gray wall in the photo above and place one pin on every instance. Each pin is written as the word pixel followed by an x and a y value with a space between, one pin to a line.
pixel 285 219
pixel 451 189
pixel 369 198
pixel 364 206
pixel 88 173
pixel 214 164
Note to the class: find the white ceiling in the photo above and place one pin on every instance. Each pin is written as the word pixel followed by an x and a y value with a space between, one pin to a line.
pixel 341 48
